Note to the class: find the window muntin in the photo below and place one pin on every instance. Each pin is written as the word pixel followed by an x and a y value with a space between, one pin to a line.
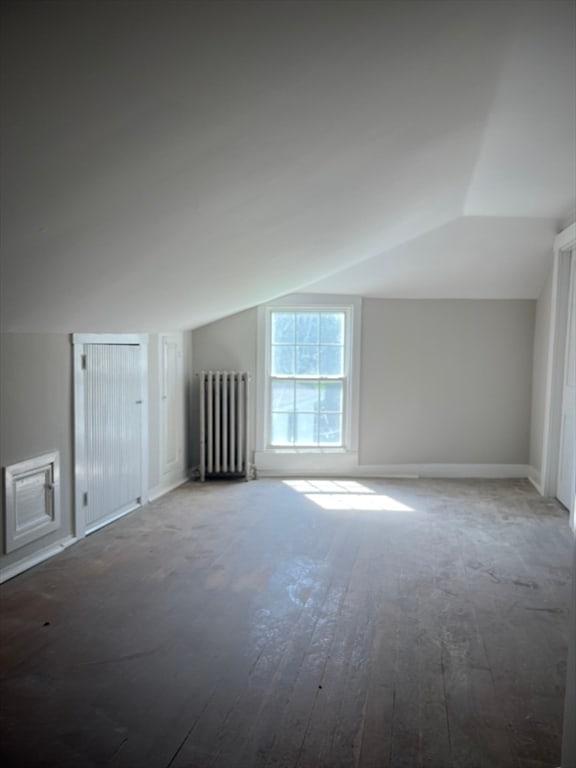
pixel 307 377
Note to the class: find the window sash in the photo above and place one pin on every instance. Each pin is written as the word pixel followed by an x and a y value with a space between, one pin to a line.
pixel 293 415
pixel 296 414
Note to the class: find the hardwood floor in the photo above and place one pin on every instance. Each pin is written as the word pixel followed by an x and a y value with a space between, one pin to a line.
pixel 382 624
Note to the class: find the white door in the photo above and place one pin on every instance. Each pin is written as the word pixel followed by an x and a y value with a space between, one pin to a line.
pixel 171 406
pixel 111 432
pixel 566 482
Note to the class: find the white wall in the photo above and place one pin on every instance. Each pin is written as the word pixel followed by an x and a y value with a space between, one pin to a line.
pixel 541 359
pixel 36 417
pixel 36 411
pixel 226 345
pixel 441 381
pixel 446 381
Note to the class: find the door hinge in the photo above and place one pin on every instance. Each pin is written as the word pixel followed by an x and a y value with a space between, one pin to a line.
pixel 85 499
pixel 84 362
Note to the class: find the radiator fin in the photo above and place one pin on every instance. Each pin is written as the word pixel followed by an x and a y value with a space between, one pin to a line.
pixel 224 448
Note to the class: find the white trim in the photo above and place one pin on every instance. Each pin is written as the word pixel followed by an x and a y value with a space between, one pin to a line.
pixel 145 427
pixel 169 476
pixel 563 243
pixel 353 307
pixel 9 571
pixel 163 488
pixel 354 380
pixel 79 438
pixel 47 466
pixel 79 340
pixel 565 239
pixel 534 477
pixel 308 466
pixel 110 338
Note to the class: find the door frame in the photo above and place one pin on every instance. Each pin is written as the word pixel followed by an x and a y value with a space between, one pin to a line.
pixel 79 340
pixel 563 245
pixel 176 337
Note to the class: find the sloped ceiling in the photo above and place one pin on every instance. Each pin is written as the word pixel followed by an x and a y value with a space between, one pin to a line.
pixel 169 163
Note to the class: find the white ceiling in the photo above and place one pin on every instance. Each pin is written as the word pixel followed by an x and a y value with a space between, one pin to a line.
pixel 471 257
pixel 166 164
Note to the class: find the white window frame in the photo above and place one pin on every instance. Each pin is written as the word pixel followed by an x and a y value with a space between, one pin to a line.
pixel 286 459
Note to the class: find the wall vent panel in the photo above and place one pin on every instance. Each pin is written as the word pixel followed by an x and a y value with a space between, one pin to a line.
pixel 31 500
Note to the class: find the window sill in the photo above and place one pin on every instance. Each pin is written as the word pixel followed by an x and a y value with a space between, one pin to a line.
pixel 307 450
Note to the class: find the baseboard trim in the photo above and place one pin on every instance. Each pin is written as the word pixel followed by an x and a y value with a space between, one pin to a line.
pixel 162 489
pixel 534 478
pixel 408 471
pixel 35 559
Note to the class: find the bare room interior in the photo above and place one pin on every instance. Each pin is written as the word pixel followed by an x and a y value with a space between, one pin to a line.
pixel 288 384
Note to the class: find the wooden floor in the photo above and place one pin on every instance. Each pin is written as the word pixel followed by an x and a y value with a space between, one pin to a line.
pixel 376 624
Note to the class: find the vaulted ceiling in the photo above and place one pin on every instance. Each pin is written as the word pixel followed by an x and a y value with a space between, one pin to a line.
pixel 168 163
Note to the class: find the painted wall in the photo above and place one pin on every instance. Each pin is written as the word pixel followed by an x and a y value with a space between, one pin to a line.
pixel 36 416
pixel 441 381
pixel 446 381
pixel 36 410
pixel 226 345
pixel 541 359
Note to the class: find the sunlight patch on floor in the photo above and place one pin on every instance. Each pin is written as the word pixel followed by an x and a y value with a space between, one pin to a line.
pixel 346 495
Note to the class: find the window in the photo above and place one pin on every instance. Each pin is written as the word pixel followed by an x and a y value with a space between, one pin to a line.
pixel 307 398
pixel 307 377
pixel 307 384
